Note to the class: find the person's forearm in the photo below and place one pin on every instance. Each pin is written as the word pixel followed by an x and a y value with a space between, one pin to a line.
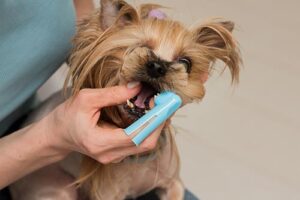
pixel 27 150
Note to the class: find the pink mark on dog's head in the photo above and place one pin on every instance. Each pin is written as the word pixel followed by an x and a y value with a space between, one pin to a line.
pixel 158 14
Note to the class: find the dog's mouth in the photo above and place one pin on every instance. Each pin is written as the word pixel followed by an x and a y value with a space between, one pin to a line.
pixel 137 106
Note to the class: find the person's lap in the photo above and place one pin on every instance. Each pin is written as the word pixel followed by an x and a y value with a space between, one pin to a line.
pixel 5 194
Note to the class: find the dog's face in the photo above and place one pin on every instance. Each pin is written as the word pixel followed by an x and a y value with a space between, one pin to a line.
pixel 120 44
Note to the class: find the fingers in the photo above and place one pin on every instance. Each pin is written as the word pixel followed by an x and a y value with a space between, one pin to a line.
pixel 117 144
pixel 150 142
pixel 120 137
pixel 116 95
pixel 116 137
pixel 119 153
pixel 124 146
pixel 99 98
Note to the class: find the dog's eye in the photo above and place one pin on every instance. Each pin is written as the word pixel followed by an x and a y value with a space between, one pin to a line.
pixel 187 63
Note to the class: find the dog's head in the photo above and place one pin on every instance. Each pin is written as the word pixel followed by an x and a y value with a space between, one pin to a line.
pixel 119 44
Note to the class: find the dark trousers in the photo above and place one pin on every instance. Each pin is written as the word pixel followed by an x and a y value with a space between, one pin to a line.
pixel 4 195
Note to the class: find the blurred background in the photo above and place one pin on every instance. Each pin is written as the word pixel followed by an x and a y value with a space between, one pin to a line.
pixel 241 142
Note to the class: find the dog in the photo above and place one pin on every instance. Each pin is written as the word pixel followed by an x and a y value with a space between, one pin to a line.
pixel 118 44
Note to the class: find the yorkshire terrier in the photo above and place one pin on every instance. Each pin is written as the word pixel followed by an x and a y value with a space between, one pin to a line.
pixel 119 44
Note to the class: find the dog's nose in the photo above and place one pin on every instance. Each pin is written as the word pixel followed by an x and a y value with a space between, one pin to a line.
pixel 156 69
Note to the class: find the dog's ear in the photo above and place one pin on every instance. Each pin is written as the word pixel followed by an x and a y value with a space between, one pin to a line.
pixel 218 42
pixel 116 12
pixel 214 34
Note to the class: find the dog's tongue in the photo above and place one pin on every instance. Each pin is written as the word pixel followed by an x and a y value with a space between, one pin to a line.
pixel 143 95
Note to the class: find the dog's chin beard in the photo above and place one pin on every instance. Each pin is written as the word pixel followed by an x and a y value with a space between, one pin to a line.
pixel 139 105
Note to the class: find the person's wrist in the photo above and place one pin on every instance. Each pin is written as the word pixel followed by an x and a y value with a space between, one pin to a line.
pixel 54 136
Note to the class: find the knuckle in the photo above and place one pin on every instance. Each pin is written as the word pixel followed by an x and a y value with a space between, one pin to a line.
pixel 105 159
pixel 82 95
pixel 115 93
pixel 87 147
pixel 148 145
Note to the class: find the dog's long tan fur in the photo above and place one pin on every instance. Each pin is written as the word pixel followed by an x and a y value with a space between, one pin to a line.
pixel 100 58
pixel 111 47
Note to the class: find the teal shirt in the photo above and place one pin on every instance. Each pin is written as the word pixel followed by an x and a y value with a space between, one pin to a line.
pixel 35 39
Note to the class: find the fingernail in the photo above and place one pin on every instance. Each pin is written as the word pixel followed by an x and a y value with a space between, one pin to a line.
pixel 132 84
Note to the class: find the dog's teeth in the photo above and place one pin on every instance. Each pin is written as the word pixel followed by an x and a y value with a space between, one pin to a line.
pixel 131 105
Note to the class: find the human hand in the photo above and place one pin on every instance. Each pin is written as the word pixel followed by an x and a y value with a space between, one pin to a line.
pixel 75 128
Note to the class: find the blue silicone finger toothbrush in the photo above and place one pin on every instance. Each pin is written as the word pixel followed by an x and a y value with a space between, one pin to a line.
pixel 165 104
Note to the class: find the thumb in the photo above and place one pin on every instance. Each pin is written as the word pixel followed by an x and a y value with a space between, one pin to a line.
pixel 113 95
